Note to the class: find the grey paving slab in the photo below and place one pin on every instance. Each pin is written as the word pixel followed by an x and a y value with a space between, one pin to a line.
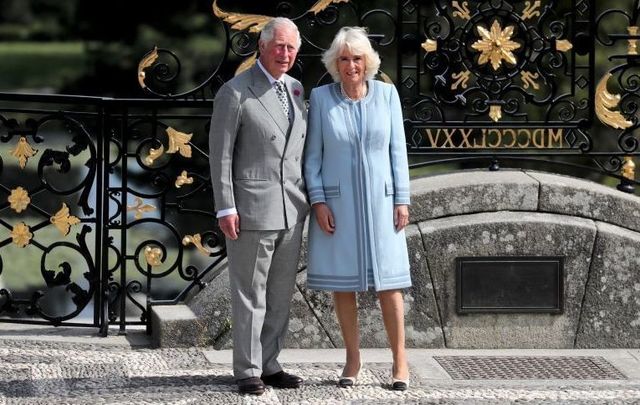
pixel 96 371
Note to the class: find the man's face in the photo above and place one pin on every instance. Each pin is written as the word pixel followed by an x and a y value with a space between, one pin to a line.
pixel 278 55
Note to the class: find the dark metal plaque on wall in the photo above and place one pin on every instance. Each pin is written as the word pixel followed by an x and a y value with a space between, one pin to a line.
pixel 509 284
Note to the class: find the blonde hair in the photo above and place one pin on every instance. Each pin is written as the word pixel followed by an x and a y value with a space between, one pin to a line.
pixel 356 41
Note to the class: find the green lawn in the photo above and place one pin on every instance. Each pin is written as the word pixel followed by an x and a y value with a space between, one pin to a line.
pixel 38 65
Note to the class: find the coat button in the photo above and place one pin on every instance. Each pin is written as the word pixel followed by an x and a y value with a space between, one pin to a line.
pixel 297 158
pixel 273 137
pixel 303 135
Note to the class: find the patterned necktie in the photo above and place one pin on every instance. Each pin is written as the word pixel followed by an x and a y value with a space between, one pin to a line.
pixel 282 97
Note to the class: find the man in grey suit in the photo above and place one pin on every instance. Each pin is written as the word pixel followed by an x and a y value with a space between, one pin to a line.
pixel 256 143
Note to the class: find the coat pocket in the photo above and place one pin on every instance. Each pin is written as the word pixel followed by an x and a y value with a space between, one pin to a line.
pixel 388 188
pixel 332 191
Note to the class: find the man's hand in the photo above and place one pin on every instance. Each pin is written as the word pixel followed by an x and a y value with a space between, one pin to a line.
pixel 324 218
pixel 230 226
pixel 400 217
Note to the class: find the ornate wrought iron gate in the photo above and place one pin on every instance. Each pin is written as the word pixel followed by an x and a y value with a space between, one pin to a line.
pixel 108 206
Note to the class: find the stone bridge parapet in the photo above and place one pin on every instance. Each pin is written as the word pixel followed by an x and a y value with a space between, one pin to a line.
pixel 476 213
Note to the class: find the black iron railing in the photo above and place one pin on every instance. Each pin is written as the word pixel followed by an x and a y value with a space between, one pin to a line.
pixel 106 204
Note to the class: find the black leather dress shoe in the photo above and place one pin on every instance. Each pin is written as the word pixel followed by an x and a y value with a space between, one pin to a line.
pixel 282 380
pixel 251 385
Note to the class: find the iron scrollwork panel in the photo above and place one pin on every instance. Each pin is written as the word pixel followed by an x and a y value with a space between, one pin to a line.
pixel 497 64
pixel 47 177
pixel 163 235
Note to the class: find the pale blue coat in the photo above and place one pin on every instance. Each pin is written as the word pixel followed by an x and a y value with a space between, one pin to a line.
pixel 356 162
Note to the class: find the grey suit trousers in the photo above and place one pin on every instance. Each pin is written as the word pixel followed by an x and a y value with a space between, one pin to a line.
pixel 262 274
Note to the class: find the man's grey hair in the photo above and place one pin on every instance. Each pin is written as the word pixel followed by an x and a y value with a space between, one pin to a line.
pixel 267 32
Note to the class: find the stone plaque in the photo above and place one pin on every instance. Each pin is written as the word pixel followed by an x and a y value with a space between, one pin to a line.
pixel 509 284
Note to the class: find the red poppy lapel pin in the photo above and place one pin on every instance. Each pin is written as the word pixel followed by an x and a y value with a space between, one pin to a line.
pixel 296 92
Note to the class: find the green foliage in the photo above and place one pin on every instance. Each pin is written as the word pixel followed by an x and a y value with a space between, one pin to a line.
pixel 37 65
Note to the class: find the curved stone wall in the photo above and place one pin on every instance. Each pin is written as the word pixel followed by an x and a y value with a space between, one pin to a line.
pixel 480 213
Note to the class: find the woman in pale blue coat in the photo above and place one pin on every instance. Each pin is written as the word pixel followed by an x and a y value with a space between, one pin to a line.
pixel 357 178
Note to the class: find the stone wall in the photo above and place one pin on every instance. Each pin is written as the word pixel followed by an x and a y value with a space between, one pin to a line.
pixel 480 213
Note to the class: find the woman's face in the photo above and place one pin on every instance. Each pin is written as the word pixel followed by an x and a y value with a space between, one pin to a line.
pixel 351 67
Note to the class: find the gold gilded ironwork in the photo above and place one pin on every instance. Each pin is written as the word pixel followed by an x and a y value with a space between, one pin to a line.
pixel 23 151
pixel 21 235
pixel 322 4
pixel 605 102
pixel 462 11
pixel 496 45
pixel 196 239
pixel 240 21
pixel 461 79
pixel 503 138
pixel 147 61
pixel 495 112
pixel 629 168
pixel 430 45
pixel 19 199
pixel 63 221
pixel 140 208
pixel 153 155
pixel 179 142
pixel 632 47
pixel 563 45
pixel 183 179
pixel 529 79
pixel 153 256
pixel 531 10
pixel 247 63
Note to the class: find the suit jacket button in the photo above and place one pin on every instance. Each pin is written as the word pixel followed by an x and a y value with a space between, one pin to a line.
pixel 273 137
pixel 297 158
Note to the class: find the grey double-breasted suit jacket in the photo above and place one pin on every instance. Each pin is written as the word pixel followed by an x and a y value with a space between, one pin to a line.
pixel 255 153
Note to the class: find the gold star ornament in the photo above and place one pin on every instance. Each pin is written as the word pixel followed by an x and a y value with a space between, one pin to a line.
pixel 496 45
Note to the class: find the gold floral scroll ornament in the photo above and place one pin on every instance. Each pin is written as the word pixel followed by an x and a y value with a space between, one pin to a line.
pixel 461 79
pixel 145 63
pixel 495 112
pixel 179 142
pixel 531 10
pixel 496 45
pixel 529 79
pixel 323 4
pixel 63 221
pixel 196 239
pixel 23 151
pixel 183 179
pixel 247 63
pixel 605 102
pixel 21 235
pixel 19 199
pixel 632 45
pixel 430 45
pixel 153 256
pixel 239 21
pixel 629 168
pixel 153 155
pixel 462 11
pixel 140 208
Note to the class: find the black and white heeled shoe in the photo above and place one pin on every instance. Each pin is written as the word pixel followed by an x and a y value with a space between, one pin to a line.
pixel 398 384
pixel 349 381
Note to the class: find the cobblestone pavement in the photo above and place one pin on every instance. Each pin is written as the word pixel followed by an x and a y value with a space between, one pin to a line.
pixel 38 372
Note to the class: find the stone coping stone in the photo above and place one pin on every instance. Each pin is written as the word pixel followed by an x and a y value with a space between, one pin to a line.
pixel 175 326
pixel 472 191
pixel 584 198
